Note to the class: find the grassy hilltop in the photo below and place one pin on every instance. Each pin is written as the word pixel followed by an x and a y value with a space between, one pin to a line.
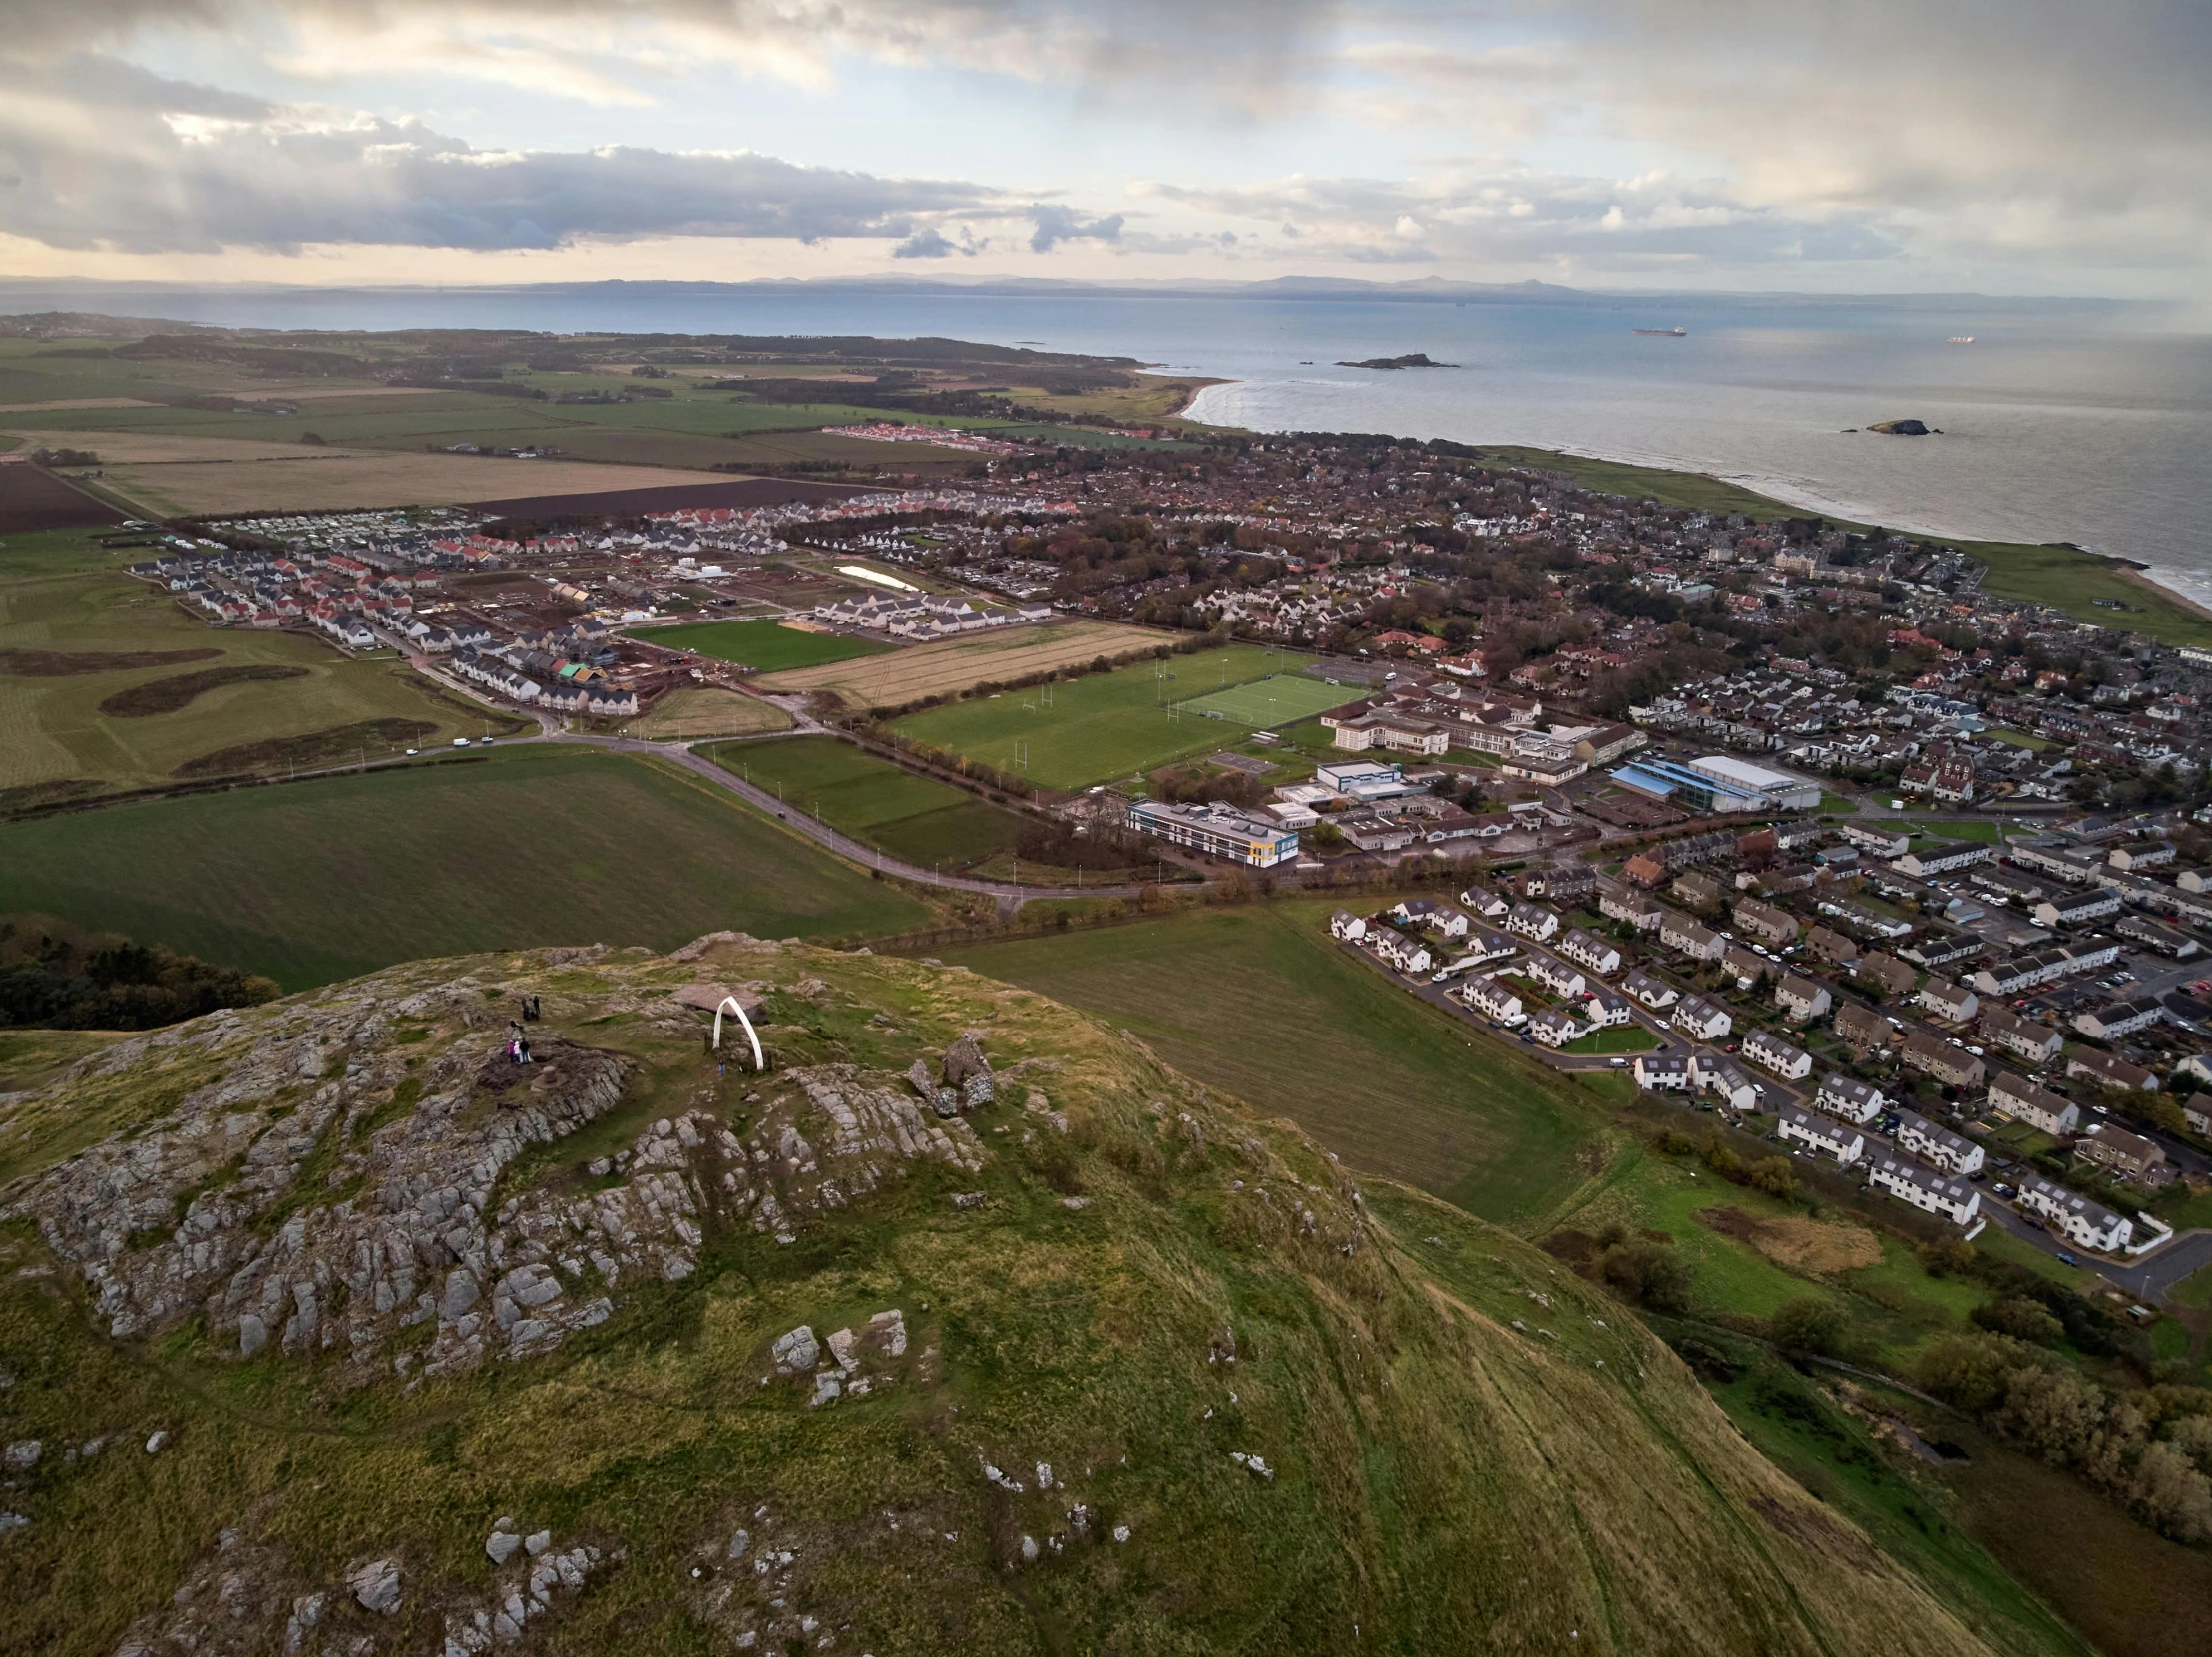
pixel 393 1305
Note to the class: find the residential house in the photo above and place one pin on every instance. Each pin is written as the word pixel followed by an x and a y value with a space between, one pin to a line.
pixel 2075 909
pixel 1821 1134
pixel 1493 1000
pixel 1746 966
pixel 2025 972
pixel 1412 912
pixel 1645 869
pixel 1533 921
pixel 2030 1038
pixel 1825 944
pixel 1560 976
pixel 1887 974
pixel 1766 923
pixel 1863 1030
pixel 1448 922
pixel 1946 778
pixel 1941 858
pixel 1951 1002
pixel 1931 1193
pixel 1587 949
pixel 1938 1145
pixel 2088 1224
pixel 1737 1090
pixel 1850 1099
pixel 1348 927
pixel 2166 940
pixel 1555 1027
pixel 2108 1071
pixel 1697 889
pixel 1633 909
pixel 1700 943
pixel 1657 1071
pixel 1701 1020
pixel 1481 901
pixel 1656 994
pixel 1398 951
pixel 2114 1019
pixel 1953 1065
pixel 1787 1062
pixel 2038 1107
pixel 2143 854
pixel 1802 1000
pixel 1602 1010
pixel 2128 1154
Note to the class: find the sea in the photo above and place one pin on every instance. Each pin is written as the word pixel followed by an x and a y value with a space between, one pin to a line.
pixel 2062 421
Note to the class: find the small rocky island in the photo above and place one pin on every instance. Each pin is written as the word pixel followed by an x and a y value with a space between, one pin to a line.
pixel 1905 428
pixel 1412 359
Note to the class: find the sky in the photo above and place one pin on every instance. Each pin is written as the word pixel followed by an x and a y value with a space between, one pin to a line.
pixel 2028 147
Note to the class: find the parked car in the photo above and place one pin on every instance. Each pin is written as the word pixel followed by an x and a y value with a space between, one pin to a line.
pixel 1618 1064
pixel 2065 1259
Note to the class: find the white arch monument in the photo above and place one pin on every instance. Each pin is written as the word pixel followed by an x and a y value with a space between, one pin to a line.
pixel 732 1003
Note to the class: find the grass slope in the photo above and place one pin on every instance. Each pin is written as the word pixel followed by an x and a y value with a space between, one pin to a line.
pixel 1100 728
pixel 1468 1449
pixel 315 881
pixel 917 819
pixel 767 646
pixel 1260 1002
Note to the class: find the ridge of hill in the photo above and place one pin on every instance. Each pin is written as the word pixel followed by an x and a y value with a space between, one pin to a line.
pixel 967 1327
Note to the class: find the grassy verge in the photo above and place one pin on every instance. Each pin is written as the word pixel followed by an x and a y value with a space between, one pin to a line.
pixel 1618 1038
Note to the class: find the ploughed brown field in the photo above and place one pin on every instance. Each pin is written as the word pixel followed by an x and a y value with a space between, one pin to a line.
pixel 33 499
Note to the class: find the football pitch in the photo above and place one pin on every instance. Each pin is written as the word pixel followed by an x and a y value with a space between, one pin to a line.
pixel 1281 699
pixel 767 646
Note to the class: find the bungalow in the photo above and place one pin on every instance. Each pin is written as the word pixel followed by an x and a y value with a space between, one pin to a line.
pixel 1932 1193
pixel 1945 1062
pixel 1533 921
pixel 1952 1003
pixel 1492 1000
pixel 1822 1136
pixel 2108 1071
pixel 1766 923
pixel 2030 1038
pixel 1853 1101
pixel 1602 1010
pixel 1699 943
pixel 1787 1062
pixel 1887 974
pixel 2076 1217
pixel 1738 1092
pixel 2123 1017
pixel 1347 927
pixel 1744 965
pixel 2079 908
pixel 1947 1150
pixel 1655 993
pixel 2038 1107
pixel 2126 1153
pixel 1555 1028
pixel 1825 944
pixel 1558 977
pixel 1801 1000
pixel 1666 1071
pixel 1863 1030
pixel 1700 1019
pixel 1481 899
pixel 1631 909
pixel 1588 950
pixel 1940 858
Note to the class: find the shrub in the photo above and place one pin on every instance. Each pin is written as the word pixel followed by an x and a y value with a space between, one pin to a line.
pixel 1649 1273
pixel 2021 1317
pixel 1810 1323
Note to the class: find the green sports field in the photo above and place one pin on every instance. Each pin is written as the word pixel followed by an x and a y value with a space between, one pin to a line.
pixel 916 819
pixel 767 646
pixel 1276 701
pixel 314 881
pixel 1258 1001
pixel 1104 726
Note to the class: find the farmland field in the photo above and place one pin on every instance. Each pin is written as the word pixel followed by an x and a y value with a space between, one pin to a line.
pixel 1259 1002
pixel 693 715
pixel 1273 701
pixel 917 819
pixel 1096 728
pixel 314 881
pixel 767 646
pixel 53 730
pixel 952 666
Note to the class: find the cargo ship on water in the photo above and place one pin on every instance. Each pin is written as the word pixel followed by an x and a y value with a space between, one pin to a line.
pixel 1663 333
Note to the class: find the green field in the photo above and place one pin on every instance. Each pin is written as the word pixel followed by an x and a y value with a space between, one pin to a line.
pixel 1987 832
pixel 1101 727
pixel 768 646
pixel 1259 1002
pixel 916 819
pixel 1618 1038
pixel 1270 702
pixel 313 881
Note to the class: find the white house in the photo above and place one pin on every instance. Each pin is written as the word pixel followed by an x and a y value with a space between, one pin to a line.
pixel 1931 1193
pixel 2039 1108
pixel 2117 1019
pixel 1602 1010
pixel 1946 999
pixel 1823 1136
pixel 1737 1090
pixel 1481 899
pixel 1700 1019
pixel 1349 927
pixel 1588 950
pixel 1399 951
pixel 1656 994
pixel 1558 977
pixel 2076 1217
pixel 1776 1054
pixel 1533 921
pixel 1850 1099
pixel 1666 1071
pixel 1938 1146
pixel 1698 941
pixel 1446 922
pixel 2077 909
pixel 1941 858
pixel 1555 1027
pixel 1492 1000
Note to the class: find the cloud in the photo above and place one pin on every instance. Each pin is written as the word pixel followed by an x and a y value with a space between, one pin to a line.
pixel 1054 224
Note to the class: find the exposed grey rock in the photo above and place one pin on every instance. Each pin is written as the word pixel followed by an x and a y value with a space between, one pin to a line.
pixel 1028 1550
pixel 796 1351
pixel 886 1333
pixel 377 1585
pixel 970 1200
pixel 253 1333
pixel 739 1543
pixel 827 1387
pixel 21 1456
pixel 306 1616
pixel 537 1542
pixel 500 1546
pixel 156 1440
pixel 963 1059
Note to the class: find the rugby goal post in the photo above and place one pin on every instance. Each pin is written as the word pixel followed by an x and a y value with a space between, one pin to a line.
pixel 731 1003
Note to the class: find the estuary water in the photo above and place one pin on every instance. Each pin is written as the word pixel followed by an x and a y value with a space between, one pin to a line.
pixel 2060 422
